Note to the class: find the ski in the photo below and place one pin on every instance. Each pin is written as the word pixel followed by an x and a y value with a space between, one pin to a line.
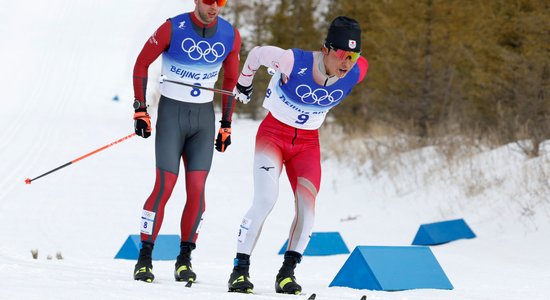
pixel 297 296
pixel 189 283
pixel 313 296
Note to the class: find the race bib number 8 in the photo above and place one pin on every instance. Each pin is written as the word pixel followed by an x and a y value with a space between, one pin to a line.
pixel 147 222
pixel 195 92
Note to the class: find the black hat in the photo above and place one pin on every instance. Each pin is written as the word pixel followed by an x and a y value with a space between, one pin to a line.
pixel 344 33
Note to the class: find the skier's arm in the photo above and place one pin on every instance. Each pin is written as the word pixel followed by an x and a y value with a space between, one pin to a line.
pixel 153 48
pixel 230 76
pixel 268 56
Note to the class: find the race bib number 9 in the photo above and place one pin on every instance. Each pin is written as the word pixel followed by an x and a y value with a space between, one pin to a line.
pixel 243 230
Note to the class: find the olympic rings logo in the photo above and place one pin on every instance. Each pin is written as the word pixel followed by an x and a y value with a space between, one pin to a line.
pixel 203 49
pixel 318 96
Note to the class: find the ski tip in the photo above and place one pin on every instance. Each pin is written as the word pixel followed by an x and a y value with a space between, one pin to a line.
pixel 364 297
pixel 312 297
pixel 28 181
pixel 189 283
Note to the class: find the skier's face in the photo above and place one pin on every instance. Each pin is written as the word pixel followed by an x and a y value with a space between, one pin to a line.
pixel 207 13
pixel 338 64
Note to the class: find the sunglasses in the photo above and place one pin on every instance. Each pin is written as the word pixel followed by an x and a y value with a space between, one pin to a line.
pixel 219 2
pixel 343 54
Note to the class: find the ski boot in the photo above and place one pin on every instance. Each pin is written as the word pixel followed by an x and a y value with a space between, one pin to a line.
pixel 184 269
pixel 285 282
pixel 143 270
pixel 239 280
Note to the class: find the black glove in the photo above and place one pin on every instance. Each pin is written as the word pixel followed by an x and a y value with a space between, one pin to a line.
pixel 142 123
pixel 224 136
pixel 243 93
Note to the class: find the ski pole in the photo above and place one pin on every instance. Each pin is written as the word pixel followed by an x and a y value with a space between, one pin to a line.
pixel 28 180
pixel 219 91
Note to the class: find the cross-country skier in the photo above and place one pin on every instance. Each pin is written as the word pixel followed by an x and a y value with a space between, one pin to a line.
pixel 194 47
pixel 304 88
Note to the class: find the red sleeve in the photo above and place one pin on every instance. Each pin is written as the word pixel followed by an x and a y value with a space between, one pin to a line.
pixel 153 48
pixel 363 67
pixel 230 76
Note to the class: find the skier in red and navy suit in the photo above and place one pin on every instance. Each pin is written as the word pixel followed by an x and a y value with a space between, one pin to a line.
pixel 305 86
pixel 194 47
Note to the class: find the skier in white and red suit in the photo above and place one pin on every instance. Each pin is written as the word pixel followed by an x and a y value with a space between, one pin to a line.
pixel 305 86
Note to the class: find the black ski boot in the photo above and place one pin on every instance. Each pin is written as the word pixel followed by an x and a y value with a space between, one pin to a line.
pixel 285 281
pixel 144 266
pixel 239 281
pixel 184 270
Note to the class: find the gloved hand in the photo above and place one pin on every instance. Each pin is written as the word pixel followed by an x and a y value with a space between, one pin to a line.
pixel 224 136
pixel 142 123
pixel 242 93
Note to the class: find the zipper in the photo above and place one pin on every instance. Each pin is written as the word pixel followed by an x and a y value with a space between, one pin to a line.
pixel 295 135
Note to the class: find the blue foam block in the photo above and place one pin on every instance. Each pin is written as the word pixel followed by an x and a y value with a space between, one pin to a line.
pixel 167 247
pixel 322 243
pixel 387 268
pixel 442 232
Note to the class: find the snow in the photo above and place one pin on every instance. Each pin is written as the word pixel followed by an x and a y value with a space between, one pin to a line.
pixel 62 63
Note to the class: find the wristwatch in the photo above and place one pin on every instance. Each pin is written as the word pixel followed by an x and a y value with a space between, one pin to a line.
pixel 138 104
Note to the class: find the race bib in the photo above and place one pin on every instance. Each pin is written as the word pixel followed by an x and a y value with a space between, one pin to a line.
pixel 243 230
pixel 147 222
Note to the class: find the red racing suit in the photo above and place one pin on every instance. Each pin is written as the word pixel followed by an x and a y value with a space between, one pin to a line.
pixel 192 53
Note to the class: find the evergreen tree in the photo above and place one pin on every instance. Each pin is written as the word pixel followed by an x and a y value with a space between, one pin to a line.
pixel 436 67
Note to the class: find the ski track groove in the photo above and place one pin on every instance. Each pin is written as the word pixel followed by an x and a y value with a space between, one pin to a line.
pixel 23 162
